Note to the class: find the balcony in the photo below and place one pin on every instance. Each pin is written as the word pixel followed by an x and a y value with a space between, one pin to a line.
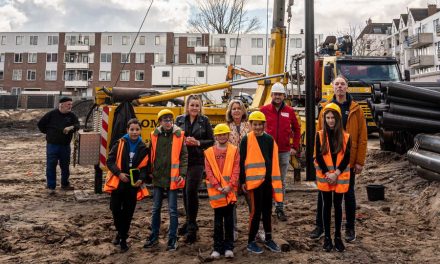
pixel 77 65
pixel 217 49
pixel 201 50
pixel 421 61
pixel 76 84
pixel 78 48
pixel 420 40
pixel 437 29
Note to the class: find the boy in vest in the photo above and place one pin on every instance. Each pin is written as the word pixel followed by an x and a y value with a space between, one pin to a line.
pixel 222 166
pixel 260 177
pixel 169 160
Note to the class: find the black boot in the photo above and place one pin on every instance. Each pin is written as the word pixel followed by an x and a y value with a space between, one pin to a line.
pixel 124 246
pixel 339 245
pixel 328 245
pixel 191 235
pixel 117 240
pixel 183 230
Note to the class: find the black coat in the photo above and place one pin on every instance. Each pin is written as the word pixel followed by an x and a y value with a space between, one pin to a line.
pixel 201 130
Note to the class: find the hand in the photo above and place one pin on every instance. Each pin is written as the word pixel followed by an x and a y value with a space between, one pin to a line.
pixel 331 178
pixel 191 141
pixel 227 189
pixel 138 183
pixel 243 188
pixel 358 168
pixel 66 130
pixel 123 177
pixel 179 180
pixel 293 152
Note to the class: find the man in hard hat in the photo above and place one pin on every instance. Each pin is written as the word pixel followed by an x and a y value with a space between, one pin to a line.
pixel 222 166
pixel 283 126
pixel 169 161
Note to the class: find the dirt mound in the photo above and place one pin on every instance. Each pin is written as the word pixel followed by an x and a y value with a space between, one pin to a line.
pixel 20 119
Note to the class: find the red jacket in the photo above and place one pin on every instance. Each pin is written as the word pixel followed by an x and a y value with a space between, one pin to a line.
pixel 282 125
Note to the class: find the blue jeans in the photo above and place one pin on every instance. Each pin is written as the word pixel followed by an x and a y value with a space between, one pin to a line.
pixel 172 208
pixel 284 158
pixel 55 154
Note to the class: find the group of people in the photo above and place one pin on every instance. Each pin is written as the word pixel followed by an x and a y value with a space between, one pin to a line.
pixel 247 155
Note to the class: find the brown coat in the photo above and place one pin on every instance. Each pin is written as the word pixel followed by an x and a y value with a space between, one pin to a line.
pixel 357 128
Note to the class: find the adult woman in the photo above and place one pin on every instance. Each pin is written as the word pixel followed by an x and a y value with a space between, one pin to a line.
pixel 127 163
pixel 332 170
pixel 199 136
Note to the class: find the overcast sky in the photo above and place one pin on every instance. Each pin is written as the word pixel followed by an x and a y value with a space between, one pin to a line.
pixel 331 16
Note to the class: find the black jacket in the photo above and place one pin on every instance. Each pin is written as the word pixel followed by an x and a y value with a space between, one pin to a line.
pixel 53 123
pixel 201 130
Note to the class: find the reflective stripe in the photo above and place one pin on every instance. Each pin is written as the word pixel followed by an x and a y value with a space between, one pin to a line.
pixel 209 185
pixel 321 180
pixel 175 166
pixel 254 178
pixel 227 178
pixel 217 197
pixel 255 165
pixel 276 178
pixel 343 181
pixel 278 190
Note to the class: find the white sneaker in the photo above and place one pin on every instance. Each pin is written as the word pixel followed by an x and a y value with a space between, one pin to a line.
pixel 261 236
pixel 215 254
pixel 229 254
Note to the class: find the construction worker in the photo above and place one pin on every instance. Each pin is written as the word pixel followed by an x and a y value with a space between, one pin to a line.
pixel 260 177
pixel 222 165
pixel 283 126
pixel 127 163
pixel 332 158
pixel 198 137
pixel 59 125
pixel 354 123
pixel 169 161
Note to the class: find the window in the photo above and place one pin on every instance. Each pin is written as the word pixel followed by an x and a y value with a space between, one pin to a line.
pixel 125 58
pixel 200 74
pixel 125 75
pixel 295 43
pixel 165 74
pixel 16 91
pixel 3 40
pixel 217 59
pixel 257 42
pixel 190 58
pixel 16 75
pixel 176 58
pixel 142 40
pixel 18 58
pixel 91 57
pixel 52 57
pixel 194 42
pixel 220 42
pixel 33 40
pixel 232 42
pixel 51 75
pixel 32 57
pixel 31 75
pixel 159 58
pixel 140 57
pixel 109 40
pixel 139 75
pixel 176 41
pixel 237 60
pixel 2 57
pixel 125 40
pixel 105 76
pixel 257 60
pixel 157 40
pixel 52 40
pixel 18 40
pixel 106 57
pixel 1 75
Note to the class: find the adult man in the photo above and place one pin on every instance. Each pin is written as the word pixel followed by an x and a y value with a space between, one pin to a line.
pixel 282 125
pixel 59 126
pixel 354 123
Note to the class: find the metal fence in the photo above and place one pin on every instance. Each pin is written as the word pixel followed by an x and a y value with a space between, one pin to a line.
pixel 33 101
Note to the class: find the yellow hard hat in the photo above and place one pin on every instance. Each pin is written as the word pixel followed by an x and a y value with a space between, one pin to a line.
pixel 164 112
pixel 221 129
pixel 257 116
pixel 334 107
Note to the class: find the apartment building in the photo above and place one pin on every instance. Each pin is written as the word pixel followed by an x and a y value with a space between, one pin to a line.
pixel 372 39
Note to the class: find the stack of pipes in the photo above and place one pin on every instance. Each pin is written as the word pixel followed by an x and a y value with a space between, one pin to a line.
pixel 426 155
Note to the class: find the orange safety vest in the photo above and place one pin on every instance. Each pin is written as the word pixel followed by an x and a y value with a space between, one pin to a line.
pixel 112 181
pixel 176 148
pixel 343 179
pixel 255 167
pixel 216 198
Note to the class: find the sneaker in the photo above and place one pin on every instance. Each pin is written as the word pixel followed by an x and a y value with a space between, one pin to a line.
pixel 272 246
pixel 235 236
pixel 229 254
pixel 172 244
pixel 124 246
pixel 281 215
pixel 254 248
pixel 317 233
pixel 328 246
pixel 51 191
pixel 215 254
pixel 67 188
pixel 339 246
pixel 350 235
pixel 261 236
pixel 151 242
pixel 117 240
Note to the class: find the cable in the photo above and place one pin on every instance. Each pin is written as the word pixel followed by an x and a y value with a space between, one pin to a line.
pixel 132 45
pixel 267 33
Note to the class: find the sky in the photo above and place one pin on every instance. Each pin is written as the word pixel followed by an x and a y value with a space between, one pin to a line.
pixel 331 16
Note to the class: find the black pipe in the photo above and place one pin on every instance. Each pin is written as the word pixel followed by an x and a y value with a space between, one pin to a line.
pixel 428 142
pixel 425 159
pixel 409 91
pixel 428 174
pixel 423 84
pixel 393 121
pixel 310 89
pixel 416 111
pixel 409 101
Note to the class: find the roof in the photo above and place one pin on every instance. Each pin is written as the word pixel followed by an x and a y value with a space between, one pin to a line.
pixel 375 28
pixel 420 13
pixel 405 19
pixel 396 22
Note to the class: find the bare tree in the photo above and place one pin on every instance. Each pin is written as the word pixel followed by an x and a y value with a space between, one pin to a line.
pixel 365 45
pixel 223 17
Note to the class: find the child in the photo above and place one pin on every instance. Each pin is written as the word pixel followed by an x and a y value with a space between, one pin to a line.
pixel 332 152
pixel 222 166
pixel 169 160
pixel 260 176
pixel 127 153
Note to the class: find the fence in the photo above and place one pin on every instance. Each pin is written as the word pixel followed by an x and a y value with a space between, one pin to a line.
pixel 32 101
